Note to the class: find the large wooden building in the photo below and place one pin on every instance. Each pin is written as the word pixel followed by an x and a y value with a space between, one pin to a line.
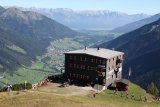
pixel 93 66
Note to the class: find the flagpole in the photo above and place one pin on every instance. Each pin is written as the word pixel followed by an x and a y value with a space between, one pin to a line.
pixel 129 73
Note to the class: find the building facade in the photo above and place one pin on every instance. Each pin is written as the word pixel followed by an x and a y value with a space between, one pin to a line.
pixel 93 66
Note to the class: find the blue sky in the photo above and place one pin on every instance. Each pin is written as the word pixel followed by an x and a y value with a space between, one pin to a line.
pixel 127 6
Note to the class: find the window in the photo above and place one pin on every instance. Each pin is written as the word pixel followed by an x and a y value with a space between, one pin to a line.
pixel 117 57
pixel 109 60
pixel 96 61
pixel 87 77
pixel 92 60
pixel 88 67
pixel 100 61
pixel 101 70
pixel 74 57
pixel 74 65
pixel 74 75
pixel 85 59
pixel 92 68
pixel 77 66
pixel 81 76
pixel 81 59
pixel 109 68
pixel 83 66
pixel 70 57
pixel 95 68
pixel 70 64
pixel 84 77
pixel 77 75
pixel 104 62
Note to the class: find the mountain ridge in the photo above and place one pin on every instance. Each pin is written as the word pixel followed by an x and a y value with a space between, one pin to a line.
pixel 88 19
pixel 31 22
pixel 135 25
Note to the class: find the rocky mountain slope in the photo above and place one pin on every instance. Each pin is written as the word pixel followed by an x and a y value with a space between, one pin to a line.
pixel 88 19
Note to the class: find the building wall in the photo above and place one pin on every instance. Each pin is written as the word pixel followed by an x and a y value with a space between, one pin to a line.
pixel 85 68
pixel 112 66
pixel 89 69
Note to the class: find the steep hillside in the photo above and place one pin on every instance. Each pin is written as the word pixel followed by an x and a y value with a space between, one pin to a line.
pixel 17 50
pixel 88 19
pixel 135 25
pixel 145 68
pixel 141 49
pixel 26 35
pixel 13 51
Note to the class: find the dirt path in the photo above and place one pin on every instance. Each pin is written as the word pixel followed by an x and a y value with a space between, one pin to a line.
pixel 67 91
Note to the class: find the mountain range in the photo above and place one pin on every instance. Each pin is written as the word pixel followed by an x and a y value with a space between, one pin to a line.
pixel 25 35
pixel 142 53
pixel 88 19
pixel 34 24
pixel 135 25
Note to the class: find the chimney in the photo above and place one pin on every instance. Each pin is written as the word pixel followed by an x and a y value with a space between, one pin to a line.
pixel 98 48
pixel 85 48
pixel 113 49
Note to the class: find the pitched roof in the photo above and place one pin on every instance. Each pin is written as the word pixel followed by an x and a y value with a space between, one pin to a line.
pixel 103 53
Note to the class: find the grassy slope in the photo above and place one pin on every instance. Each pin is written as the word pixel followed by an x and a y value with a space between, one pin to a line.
pixel 31 74
pixel 38 70
pixel 104 99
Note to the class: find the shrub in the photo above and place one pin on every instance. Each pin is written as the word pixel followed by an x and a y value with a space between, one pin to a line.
pixel 152 89
pixel 1 89
pixel 28 85
pixel 21 86
pixel 16 87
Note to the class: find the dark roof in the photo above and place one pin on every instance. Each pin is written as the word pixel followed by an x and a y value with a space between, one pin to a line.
pixel 124 81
